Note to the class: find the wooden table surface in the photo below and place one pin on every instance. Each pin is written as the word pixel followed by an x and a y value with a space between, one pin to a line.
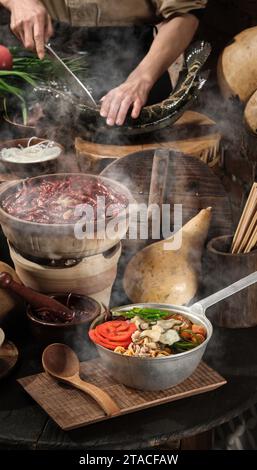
pixel 24 425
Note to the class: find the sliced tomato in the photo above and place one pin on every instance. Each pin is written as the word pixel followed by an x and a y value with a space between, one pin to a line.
pixel 113 333
pixel 199 329
pixel 109 341
pixel 105 342
pixel 120 331
pixel 96 340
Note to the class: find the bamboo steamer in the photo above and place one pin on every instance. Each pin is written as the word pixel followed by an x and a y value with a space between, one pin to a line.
pixel 92 276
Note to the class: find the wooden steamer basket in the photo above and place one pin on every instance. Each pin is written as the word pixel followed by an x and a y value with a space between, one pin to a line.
pixel 92 276
pixel 224 268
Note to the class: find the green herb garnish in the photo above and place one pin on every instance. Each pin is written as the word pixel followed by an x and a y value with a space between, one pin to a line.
pixel 182 346
pixel 148 314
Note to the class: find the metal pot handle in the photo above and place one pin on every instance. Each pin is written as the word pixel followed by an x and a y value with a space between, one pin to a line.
pixel 200 307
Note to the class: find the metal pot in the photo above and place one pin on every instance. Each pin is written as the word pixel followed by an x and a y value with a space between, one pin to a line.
pixel 161 373
pixel 30 167
pixel 57 241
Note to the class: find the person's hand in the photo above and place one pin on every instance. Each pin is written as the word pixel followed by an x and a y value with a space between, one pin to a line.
pixel 31 23
pixel 131 94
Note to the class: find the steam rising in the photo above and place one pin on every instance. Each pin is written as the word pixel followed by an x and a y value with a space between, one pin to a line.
pixel 107 70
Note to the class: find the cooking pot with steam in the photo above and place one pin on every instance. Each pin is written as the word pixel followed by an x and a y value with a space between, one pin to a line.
pixel 60 240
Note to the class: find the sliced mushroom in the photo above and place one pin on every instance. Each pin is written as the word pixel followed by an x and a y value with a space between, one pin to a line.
pixel 169 337
pixel 167 324
pixel 137 320
pixel 154 333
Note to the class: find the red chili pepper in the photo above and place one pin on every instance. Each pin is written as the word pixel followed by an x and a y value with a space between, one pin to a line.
pixel 54 198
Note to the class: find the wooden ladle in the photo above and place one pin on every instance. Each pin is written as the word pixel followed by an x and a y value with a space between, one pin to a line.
pixel 35 299
pixel 61 362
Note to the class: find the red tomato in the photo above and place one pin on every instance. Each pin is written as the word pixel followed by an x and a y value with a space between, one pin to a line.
pixel 117 331
pixel 113 333
pixel 6 60
pixel 199 329
pixel 96 338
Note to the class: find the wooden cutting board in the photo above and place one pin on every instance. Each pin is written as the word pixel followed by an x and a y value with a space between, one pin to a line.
pixel 72 409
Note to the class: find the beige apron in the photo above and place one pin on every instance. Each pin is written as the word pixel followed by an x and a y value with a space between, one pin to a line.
pixel 118 12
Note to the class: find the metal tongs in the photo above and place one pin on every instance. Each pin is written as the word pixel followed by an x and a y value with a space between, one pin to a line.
pixel 77 85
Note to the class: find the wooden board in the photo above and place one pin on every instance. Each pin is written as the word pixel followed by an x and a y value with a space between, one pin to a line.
pixel 8 358
pixel 72 409
pixel 193 134
pixel 190 182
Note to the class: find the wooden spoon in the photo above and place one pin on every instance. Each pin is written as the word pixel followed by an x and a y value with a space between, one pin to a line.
pixel 37 300
pixel 61 362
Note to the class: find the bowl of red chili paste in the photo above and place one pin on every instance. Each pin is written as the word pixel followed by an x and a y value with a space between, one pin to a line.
pixel 47 328
pixel 67 215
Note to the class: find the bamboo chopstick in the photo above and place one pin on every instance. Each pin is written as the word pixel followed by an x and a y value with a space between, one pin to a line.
pixel 243 216
pixel 252 241
pixel 248 234
pixel 244 239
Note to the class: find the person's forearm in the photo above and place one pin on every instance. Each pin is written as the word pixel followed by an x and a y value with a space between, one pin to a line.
pixel 172 39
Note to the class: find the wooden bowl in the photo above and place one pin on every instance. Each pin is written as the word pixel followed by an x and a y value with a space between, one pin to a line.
pixel 74 334
pixel 30 168
pixel 222 269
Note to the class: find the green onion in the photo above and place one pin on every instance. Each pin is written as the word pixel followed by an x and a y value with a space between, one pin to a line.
pixel 29 70
pixel 144 313
pixel 184 345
